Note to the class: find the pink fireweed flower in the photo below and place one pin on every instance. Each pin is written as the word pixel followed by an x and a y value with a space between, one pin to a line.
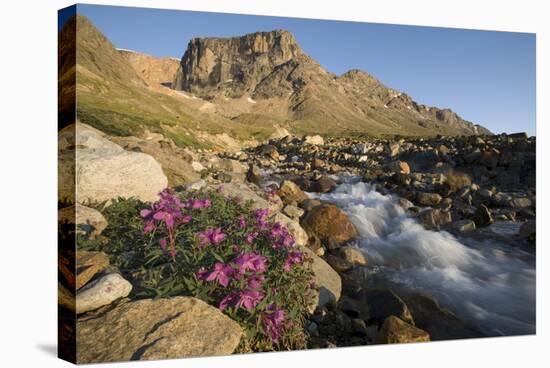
pixel 292 259
pixel 248 299
pixel 222 274
pixel 145 212
pixel 261 213
pixel 251 261
pixel 261 217
pixel 251 236
pixel 242 222
pixel 255 281
pixel 198 204
pixel 202 273
pixel 288 240
pixel 285 240
pixel 166 210
pixel 273 322
pixel 228 300
pixel 148 227
pixel 211 236
pixel 277 230
pixel 168 217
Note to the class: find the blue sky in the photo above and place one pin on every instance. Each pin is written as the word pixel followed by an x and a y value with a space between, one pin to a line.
pixel 486 77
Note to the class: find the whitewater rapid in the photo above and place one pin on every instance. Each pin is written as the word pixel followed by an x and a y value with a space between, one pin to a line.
pixel 488 283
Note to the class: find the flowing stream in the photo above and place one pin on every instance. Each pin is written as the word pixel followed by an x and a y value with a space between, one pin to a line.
pixel 486 282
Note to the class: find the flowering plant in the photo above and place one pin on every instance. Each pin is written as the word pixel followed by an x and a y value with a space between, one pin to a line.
pixel 226 253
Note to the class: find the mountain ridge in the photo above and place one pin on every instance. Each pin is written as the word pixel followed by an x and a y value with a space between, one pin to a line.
pixel 272 64
pixel 130 93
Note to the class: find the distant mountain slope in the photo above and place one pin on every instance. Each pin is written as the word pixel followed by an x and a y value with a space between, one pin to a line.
pixel 117 97
pixel 243 88
pixel 272 66
pixel 155 72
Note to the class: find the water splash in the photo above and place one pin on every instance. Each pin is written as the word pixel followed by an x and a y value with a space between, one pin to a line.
pixel 485 282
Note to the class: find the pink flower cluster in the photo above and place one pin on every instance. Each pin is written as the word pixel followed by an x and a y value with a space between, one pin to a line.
pixel 247 299
pixel 280 236
pixel 238 278
pixel 221 273
pixel 167 212
pixel 273 322
pixel 198 204
pixel 251 262
pixel 250 265
pixel 292 259
pixel 261 217
pixel 211 236
pixel 278 233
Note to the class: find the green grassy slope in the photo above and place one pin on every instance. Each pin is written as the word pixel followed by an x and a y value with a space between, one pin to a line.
pixel 113 98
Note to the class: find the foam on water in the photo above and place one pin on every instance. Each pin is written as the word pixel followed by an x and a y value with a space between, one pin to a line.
pixel 484 282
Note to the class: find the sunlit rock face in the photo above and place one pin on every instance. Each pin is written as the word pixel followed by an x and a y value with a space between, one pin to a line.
pixel 234 65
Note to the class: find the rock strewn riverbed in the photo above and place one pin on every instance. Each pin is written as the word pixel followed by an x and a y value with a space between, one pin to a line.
pixel 479 187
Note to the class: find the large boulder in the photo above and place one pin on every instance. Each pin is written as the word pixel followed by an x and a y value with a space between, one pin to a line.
pixel 324 184
pixel 97 170
pixel 294 228
pixel 103 291
pixel 326 278
pixel 353 255
pixel 428 199
pixel 293 212
pixel 440 323
pixel 150 329
pixel 316 140
pixel 482 216
pixel 396 331
pixel 177 163
pixel 384 303
pixel 243 193
pixel 330 224
pixel 290 193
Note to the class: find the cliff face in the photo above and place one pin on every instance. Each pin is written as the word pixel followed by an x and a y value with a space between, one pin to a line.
pixel 156 72
pixel 271 67
pixel 244 86
pixel 234 65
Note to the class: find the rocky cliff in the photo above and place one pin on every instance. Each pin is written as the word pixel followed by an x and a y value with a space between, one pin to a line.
pixel 272 67
pixel 244 87
pixel 234 65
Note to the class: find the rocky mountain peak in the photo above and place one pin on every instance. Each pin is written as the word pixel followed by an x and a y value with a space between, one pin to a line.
pixel 234 65
pixel 256 81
